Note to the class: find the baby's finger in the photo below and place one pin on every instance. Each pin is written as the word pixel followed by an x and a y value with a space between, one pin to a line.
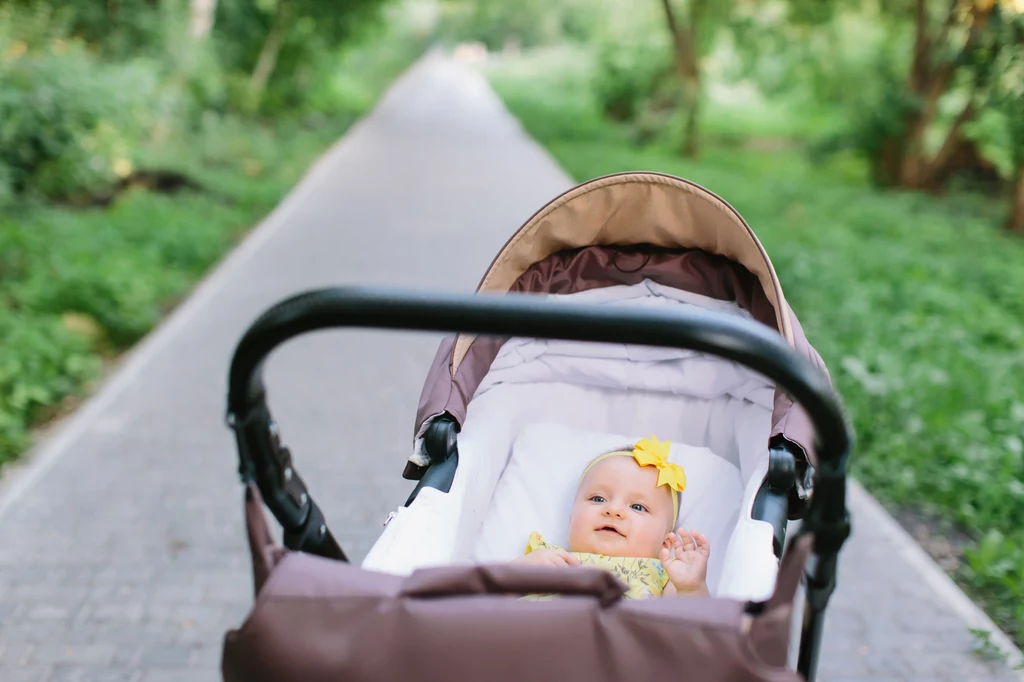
pixel 703 545
pixel 677 544
pixel 665 555
pixel 571 559
pixel 685 540
pixel 553 559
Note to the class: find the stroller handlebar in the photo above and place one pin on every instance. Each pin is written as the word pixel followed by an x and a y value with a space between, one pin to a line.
pixel 522 315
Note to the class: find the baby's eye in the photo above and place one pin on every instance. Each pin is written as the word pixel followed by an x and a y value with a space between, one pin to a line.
pixel 596 498
pixel 636 506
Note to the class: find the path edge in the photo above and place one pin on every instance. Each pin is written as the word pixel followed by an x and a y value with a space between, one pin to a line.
pixel 19 477
pixel 870 512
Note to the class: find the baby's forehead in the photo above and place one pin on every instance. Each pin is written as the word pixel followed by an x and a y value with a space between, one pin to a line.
pixel 619 470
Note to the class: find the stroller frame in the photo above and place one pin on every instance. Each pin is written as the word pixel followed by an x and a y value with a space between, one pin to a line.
pixel 267 462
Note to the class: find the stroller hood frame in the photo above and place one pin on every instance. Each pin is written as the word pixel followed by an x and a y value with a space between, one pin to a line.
pixel 622 229
pixel 265 462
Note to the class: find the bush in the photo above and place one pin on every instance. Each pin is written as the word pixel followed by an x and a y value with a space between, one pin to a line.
pixel 629 73
pixel 67 122
pixel 77 286
pixel 42 361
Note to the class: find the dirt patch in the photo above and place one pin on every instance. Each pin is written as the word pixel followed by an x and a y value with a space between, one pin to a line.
pixel 943 541
pixel 153 180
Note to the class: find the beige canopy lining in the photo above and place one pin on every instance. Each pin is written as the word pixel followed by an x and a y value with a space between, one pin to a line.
pixel 633 208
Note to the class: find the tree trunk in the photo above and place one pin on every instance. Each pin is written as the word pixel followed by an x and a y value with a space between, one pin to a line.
pixel 691 134
pixel 928 174
pixel 687 60
pixel 906 153
pixel 901 160
pixel 1015 221
pixel 201 15
pixel 268 58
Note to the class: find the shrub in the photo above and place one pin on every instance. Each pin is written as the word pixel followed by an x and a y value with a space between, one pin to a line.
pixel 67 121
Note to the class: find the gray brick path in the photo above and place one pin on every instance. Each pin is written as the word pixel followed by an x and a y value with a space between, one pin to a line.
pixel 122 555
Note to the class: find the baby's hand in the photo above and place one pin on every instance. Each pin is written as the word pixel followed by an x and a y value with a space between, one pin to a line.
pixel 685 557
pixel 548 557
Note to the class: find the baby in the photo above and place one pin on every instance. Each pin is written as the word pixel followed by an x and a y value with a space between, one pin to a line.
pixel 622 519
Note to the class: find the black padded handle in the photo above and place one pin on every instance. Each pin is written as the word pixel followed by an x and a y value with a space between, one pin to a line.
pixel 749 343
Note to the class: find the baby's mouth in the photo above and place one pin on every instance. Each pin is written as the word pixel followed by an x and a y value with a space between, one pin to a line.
pixel 610 529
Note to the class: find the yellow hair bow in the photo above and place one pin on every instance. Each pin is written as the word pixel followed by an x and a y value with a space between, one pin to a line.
pixel 652 452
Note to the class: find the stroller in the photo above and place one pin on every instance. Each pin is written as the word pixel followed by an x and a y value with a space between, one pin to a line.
pixel 632 304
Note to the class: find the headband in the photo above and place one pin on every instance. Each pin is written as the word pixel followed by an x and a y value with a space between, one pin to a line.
pixel 652 452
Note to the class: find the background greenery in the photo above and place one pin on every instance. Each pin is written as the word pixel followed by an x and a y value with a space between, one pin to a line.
pixel 134 153
pixel 902 262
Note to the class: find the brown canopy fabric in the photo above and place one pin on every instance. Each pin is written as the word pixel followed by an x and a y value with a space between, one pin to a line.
pixel 623 229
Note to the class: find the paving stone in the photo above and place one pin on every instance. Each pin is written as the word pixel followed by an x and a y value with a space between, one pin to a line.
pixel 166 656
pixel 48 653
pixel 181 675
pixel 77 673
pixel 27 674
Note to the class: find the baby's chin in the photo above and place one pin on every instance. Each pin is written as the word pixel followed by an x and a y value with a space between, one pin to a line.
pixel 615 547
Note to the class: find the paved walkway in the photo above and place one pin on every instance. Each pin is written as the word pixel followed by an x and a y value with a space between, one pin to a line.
pixel 121 548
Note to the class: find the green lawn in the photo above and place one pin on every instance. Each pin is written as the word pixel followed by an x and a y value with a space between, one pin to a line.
pixel 914 302
pixel 78 285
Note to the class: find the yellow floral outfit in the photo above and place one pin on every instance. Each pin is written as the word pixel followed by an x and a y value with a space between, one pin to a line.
pixel 646 578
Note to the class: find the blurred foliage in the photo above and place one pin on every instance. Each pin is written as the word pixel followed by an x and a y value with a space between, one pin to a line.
pixel 87 88
pixel 913 302
pixel 68 121
pixel 527 23
pixel 309 32
pixel 901 80
pixel 920 90
pixel 79 286
pixel 122 106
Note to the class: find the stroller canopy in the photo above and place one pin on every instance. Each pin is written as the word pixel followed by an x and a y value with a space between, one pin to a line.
pixel 623 229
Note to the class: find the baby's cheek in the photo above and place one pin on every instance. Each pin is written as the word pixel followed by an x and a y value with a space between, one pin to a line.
pixel 575 524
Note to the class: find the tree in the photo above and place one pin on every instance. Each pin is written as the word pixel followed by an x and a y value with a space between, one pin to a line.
pixel 686 51
pixel 937 51
pixel 1008 96
pixel 201 16
pixel 275 38
pixel 693 32
pixel 942 50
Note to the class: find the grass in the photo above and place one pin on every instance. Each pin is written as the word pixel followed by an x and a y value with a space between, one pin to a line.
pixel 914 303
pixel 80 286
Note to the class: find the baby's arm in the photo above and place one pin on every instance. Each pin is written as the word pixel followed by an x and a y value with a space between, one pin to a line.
pixel 686 561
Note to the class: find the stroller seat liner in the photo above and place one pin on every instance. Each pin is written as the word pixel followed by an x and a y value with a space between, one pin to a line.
pixel 546 407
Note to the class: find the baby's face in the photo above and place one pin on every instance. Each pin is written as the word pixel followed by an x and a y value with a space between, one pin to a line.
pixel 620 510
